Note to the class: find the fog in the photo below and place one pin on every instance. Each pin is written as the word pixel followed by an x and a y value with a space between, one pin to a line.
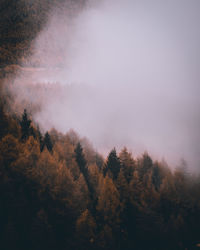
pixel 130 76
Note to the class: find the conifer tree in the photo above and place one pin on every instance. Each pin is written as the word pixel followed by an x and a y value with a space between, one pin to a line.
pixel 25 126
pixel 80 159
pixel 86 230
pixel 40 138
pixel 145 165
pixel 127 164
pixel 156 176
pixel 9 150
pixel 113 164
pixel 47 142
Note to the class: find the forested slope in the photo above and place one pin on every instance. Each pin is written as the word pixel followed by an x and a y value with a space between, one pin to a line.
pixel 58 193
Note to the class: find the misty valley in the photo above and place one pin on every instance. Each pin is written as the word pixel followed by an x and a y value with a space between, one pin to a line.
pixel 99 125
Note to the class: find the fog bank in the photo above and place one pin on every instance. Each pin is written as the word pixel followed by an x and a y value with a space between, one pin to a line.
pixel 132 71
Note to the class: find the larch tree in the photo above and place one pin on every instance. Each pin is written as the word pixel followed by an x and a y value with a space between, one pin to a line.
pixel 9 150
pixel 86 230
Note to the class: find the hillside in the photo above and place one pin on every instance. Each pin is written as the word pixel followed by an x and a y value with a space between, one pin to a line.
pixel 57 192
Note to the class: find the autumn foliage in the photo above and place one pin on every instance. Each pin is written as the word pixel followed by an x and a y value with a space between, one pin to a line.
pixel 56 192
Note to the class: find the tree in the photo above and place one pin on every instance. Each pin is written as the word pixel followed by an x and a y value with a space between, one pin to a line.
pixel 109 210
pixel 127 164
pixel 145 165
pixel 109 206
pixel 47 142
pixel 122 186
pixel 156 176
pixel 9 150
pixel 40 138
pixel 86 230
pixel 25 126
pixel 112 164
pixel 136 189
pixel 80 159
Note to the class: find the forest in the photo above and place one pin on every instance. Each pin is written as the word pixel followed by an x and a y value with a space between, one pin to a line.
pixel 57 192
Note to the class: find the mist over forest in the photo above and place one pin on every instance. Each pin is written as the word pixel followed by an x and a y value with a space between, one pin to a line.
pixel 99 124
pixel 131 66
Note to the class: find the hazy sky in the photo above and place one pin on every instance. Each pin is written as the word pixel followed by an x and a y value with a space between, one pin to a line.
pixel 135 68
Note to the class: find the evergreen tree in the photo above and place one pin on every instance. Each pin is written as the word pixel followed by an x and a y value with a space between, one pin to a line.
pixel 47 142
pixel 80 159
pixel 40 138
pixel 25 126
pixel 113 164
pixel 127 164
pixel 145 165
pixel 156 177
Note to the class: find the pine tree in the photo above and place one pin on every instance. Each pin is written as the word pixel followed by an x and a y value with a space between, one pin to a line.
pixel 40 138
pixel 156 176
pixel 80 159
pixel 127 164
pixel 145 165
pixel 113 164
pixel 25 126
pixel 47 142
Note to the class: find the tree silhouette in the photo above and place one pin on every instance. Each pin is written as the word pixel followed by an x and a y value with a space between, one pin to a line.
pixel 80 159
pixel 113 164
pixel 156 176
pixel 127 164
pixel 146 164
pixel 25 126
pixel 47 142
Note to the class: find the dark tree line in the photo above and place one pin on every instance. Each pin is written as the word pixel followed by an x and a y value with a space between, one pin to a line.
pixel 56 192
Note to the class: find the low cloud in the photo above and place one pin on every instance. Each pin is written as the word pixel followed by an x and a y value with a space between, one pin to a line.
pixel 129 74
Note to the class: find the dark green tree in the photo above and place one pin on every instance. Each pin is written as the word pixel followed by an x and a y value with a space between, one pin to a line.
pixel 80 159
pixel 25 126
pixel 82 163
pixel 40 138
pixel 145 165
pixel 112 164
pixel 156 177
pixel 47 142
pixel 127 164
